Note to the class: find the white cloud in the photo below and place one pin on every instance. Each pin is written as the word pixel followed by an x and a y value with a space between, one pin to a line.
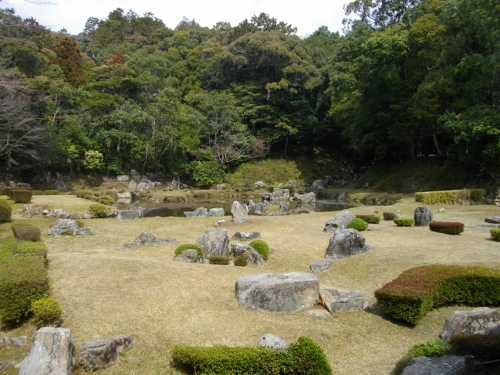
pixel 72 14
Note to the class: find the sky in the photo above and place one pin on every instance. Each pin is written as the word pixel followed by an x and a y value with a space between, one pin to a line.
pixel 72 15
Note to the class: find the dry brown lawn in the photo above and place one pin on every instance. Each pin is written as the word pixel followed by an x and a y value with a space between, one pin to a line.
pixel 104 290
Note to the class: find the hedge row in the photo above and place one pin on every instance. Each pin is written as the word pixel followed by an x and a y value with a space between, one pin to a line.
pixel 446 227
pixel 417 290
pixel 404 222
pixel 27 248
pixel 21 195
pixel 450 196
pixel 5 211
pixel 22 281
pixel 370 219
pixel 26 232
pixel 304 357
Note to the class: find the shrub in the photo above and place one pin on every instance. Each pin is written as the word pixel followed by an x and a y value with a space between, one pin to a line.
pixel 83 193
pixel 21 195
pixel 6 191
pixel 26 232
pixel 46 312
pixel 450 196
pixel 218 259
pixel 261 247
pixel 98 210
pixel 446 227
pixel 427 349
pixel 302 358
pixel 495 233
pixel 188 246
pixel 240 262
pixel 358 224
pixel 404 222
pixel 38 192
pixel 106 199
pixel 389 216
pixel 370 219
pixel 92 197
pixel 476 195
pixel 482 347
pixel 52 192
pixel 80 223
pixel 22 281
pixel 417 290
pixel 5 211
pixel 29 249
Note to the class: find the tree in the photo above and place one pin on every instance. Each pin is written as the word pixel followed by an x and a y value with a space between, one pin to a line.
pixel 19 132
pixel 69 58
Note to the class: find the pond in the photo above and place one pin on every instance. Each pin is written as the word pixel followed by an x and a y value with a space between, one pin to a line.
pixel 153 209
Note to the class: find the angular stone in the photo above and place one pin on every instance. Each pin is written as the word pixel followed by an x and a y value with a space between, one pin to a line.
pixel 214 242
pixel 339 221
pixel 493 219
pixel 316 313
pixel 216 212
pixel 52 352
pixel 287 292
pixel 145 238
pixel 239 212
pixel 83 231
pixel 247 252
pixel 258 208
pixel 129 214
pixel 245 236
pixel 102 353
pixel 17 341
pixel 480 321
pixel 305 198
pixel 63 226
pixel 321 265
pixel 335 301
pixel 199 212
pixel 123 177
pixel 317 186
pixel 60 213
pixel 273 342
pixel 422 216
pixel 346 243
pixel 444 365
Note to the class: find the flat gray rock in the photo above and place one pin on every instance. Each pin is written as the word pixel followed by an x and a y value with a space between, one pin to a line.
pixel 480 321
pixel 444 365
pixel 245 236
pixel 129 215
pixel 102 353
pixel 335 301
pixel 493 219
pixel 17 341
pixel 321 265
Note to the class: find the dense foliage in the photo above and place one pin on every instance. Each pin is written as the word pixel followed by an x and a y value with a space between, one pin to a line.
pixel 409 78
pixel 446 227
pixel 417 290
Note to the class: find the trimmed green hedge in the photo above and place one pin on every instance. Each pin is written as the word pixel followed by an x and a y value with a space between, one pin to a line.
pixel 261 247
pixel 46 312
pixel 52 192
pixel 404 222
pixel 370 219
pixel 21 195
pixel 450 196
pixel 27 248
pixel 304 357
pixel 22 281
pixel 446 227
pixel 26 232
pixel 417 290
pixel 5 211
pixel 218 259
pixel 188 246
pixel 389 216
pixel 358 224
pixel 495 233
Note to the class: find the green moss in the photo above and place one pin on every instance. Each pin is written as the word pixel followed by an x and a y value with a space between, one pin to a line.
pixel 240 262
pixel 495 233
pixel 370 219
pixel 261 247
pixel 106 199
pixel 189 246
pixel 358 224
pixel 218 259
pixel 98 210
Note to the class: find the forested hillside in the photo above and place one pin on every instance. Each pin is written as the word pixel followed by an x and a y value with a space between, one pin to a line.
pixel 408 78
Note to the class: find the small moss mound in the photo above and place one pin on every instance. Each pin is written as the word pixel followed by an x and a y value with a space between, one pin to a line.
pixel 370 219
pixel 446 227
pixel 46 312
pixel 240 262
pixel 261 247
pixel 358 224
pixel 26 232
pixel 218 259
pixel 404 222
pixel 495 233
pixel 106 199
pixel 5 211
pixel 188 246
pixel 98 210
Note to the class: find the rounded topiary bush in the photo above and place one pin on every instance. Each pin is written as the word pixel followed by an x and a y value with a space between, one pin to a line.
pixel 46 312
pixel 389 216
pixel 5 211
pixel 358 224
pixel 261 247
pixel 495 233
pixel 188 246
pixel 21 195
pixel 404 222
pixel 240 261
pixel 106 199
pixel 308 358
pixel 98 210
pixel 218 259
pixel 446 227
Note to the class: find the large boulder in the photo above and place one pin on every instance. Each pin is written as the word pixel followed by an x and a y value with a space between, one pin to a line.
pixel 102 353
pixel 443 365
pixel 239 212
pixel 317 186
pixel 216 212
pixel 129 214
pixel 346 243
pixel 63 226
pixel 199 212
pixel 287 292
pixel 214 242
pixel 422 216
pixel 333 300
pixel 52 352
pixel 258 208
pixel 480 321
pixel 339 221
pixel 247 252
pixel 305 198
